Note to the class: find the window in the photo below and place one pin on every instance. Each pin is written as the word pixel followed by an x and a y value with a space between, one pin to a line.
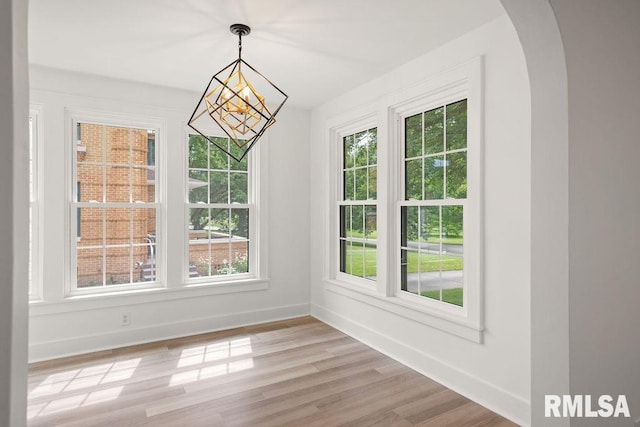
pixel 435 192
pixel 34 205
pixel 419 173
pixel 357 206
pixel 114 219
pixel 220 210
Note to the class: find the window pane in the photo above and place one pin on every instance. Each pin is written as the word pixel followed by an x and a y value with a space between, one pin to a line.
pixel 410 218
pixel 344 210
pixel 91 226
pixel 356 228
pixel 410 280
pixel 144 226
pixel 236 151
pixel 434 177
pixel 118 265
pixel 370 223
pixel 360 149
pixel 348 151
pixel 198 148
pixel 240 223
pixel 144 263
pixel 413 179
pixel 358 259
pixel 457 125
pixel 198 223
pixel 91 178
pixel 373 146
pixel 151 148
pixel 118 226
pixel 361 184
pixel 451 256
pixel 219 226
pixel 118 183
pixel 218 187
pixel 31 248
pixel 219 160
pixel 457 175
pixel 413 136
pixel 348 267
pixel 403 270
pixel 373 183
pixel 343 255
pixel 349 187
pixel 452 222
pixel 92 143
pixel 240 257
pixel 430 221
pixel 433 131
pixel 239 187
pixel 199 258
pixel 144 188
pixel 369 259
pixel 32 159
pixel 198 186
pixel 89 267
pixel 120 142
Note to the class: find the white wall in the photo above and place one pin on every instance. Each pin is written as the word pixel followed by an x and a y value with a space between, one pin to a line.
pixel 602 44
pixel 14 150
pixel 495 373
pixel 60 327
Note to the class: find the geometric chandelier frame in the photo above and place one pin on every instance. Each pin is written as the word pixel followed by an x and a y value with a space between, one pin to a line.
pixel 236 101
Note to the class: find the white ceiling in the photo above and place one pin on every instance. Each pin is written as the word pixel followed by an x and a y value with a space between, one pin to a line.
pixel 311 49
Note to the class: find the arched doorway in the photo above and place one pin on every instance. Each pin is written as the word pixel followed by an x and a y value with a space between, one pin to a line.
pixel 539 35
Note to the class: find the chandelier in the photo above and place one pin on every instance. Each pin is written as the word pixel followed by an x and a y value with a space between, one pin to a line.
pixel 240 101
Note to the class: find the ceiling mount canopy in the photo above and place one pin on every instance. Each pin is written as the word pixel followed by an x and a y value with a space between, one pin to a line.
pixel 240 101
pixel 240 29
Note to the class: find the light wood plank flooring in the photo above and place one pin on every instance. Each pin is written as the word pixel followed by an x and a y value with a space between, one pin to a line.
pixel 298 372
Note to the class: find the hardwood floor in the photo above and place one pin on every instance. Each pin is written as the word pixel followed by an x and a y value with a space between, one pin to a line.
pixel 298 372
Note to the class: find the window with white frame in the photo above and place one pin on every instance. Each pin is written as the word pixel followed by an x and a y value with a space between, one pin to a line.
pixel 357 204
pixel 220 212
pixel 115 209
pixel 34 205
pixel 435 193
pixel 428 199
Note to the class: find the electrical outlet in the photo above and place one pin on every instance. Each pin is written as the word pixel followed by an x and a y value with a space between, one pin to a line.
pixel 125 318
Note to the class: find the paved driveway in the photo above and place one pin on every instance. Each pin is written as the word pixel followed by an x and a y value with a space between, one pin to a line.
pixel 432 281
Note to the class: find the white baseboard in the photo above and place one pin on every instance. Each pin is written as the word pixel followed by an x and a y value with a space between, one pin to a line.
pixel 496 399
pixel 132 336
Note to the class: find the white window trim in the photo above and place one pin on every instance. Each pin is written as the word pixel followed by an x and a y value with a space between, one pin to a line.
pixel 257 161
pixel 463 81
pixel 37 211
pixel 73 116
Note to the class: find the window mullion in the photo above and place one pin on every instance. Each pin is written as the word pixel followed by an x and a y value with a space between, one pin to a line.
pixel 131 211
pixel 444 154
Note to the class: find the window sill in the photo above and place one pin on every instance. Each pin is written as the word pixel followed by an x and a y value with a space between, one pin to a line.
pixel 444 321
pixel 142 296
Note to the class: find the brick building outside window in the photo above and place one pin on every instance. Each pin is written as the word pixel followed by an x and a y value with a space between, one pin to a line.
pixel 116 205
